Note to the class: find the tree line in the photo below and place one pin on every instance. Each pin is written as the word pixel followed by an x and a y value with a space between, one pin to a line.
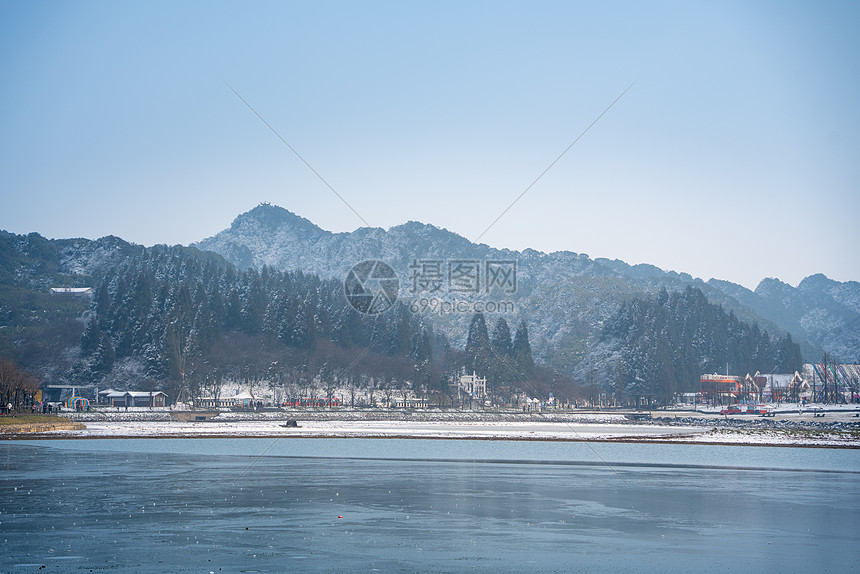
pixel 190 319
pixel 184 321
pixel 666 343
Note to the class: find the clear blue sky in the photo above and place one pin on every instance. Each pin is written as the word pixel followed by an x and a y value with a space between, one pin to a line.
pixel 735 155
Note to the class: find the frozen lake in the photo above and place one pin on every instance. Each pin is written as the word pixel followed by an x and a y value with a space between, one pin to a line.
pixel 268 505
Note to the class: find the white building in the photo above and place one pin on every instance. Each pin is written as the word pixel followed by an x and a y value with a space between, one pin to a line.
pixel 71 290
pixel 472 388
pixel 242 398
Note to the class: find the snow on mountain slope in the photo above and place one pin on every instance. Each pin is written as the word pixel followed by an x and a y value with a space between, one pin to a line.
pixel 564 296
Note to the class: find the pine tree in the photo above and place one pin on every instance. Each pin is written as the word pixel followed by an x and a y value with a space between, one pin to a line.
pixel 233 318
pixel 101 302
pixel 254 305
pixel 398 344
pixel 502 339
pixel 303 336
pixel 103 358
pixel 91 338
pixel 523 352
pixel 478 346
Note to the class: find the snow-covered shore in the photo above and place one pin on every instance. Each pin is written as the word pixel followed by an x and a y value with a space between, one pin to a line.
pixel 822 425
pixel 564 427
pixel 355 429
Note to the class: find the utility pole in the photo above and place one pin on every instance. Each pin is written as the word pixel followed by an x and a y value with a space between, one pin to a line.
pixel 826 394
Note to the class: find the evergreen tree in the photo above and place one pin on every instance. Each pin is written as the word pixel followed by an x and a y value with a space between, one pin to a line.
pixel 101 302
pixel 91 338
pixel 254 307
pixel 502 339
pixel 789 357
pixel 522 350
pixel 233 319
pixel 478 346
pixel 303 336
pixel 502 365
pixel 103 358
pixel 398 343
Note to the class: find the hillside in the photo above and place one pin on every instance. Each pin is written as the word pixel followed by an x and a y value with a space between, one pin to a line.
pixel 181 319
pixel 566 296
pixel 37 329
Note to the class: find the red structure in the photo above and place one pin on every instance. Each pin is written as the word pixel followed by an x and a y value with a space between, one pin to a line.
pixel 720 389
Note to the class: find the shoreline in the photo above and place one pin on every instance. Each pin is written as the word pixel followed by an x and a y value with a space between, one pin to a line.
pixel 625 440
pixel 596 428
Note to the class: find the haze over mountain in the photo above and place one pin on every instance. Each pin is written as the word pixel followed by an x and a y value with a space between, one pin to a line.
pixel 566 297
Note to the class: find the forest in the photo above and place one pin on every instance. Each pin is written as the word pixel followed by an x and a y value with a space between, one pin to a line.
pixel 184 321
pixel 664 344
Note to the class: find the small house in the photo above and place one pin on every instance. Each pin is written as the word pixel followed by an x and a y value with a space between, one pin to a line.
pixel 137 399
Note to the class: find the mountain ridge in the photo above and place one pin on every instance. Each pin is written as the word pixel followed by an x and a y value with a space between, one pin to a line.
pixel 567 293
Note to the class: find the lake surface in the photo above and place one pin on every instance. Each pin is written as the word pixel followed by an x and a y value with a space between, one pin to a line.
pixel 338 505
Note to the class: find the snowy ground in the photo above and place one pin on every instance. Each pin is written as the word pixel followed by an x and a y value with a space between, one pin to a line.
pixel 473 430
pixel 832 426
pixel 677 431
pixel 795 408
pixel 775 437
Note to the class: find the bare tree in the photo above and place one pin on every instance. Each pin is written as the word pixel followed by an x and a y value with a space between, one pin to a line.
pixel 371 386
pixel 212 385
pixel 388 390
pixel 17 387
pixel 328 379
pixel 179 355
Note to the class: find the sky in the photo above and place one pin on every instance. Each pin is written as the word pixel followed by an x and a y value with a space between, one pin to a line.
pixel 734 154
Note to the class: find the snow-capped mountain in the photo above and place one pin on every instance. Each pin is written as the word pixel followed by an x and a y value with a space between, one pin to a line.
pixel 564 296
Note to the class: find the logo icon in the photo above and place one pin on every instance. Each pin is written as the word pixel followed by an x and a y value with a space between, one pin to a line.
pixel 371 287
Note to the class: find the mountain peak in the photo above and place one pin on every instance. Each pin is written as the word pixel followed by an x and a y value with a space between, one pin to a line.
pixel 273 217
pixel 771 284
pixel 817 281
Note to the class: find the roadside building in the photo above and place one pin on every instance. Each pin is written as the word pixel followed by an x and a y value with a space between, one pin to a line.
pixel 720 389
pixel 783 387
pixel 409 403
pixel 137 399
pixel 102 396
pixel 471 388
pixel 242 399
pixel 799 389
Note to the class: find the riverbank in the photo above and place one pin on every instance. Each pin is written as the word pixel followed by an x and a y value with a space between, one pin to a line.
pixel 838 427
pixel 604 427
pixel 37 424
